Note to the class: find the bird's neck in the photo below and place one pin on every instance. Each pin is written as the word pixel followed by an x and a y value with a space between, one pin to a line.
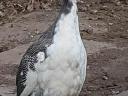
pixel 67 6
pixel 68 18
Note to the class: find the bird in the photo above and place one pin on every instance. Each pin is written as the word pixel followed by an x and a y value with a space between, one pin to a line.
pixel 55 64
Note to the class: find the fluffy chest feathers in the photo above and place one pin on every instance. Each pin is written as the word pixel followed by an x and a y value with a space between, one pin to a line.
pixel 67 38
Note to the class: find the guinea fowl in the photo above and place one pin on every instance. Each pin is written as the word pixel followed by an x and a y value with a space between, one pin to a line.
pixel 55 64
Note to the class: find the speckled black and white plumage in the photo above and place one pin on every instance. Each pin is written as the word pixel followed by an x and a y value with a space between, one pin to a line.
pixel 55 64
pixel 30 58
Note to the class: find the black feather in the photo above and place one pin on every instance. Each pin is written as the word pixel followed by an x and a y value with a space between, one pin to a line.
pixel 30 58
pixel 67 5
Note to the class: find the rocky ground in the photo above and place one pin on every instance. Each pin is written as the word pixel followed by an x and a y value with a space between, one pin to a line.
pixel 104 29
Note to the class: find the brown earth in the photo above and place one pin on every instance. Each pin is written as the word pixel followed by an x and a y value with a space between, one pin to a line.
pixel 104 29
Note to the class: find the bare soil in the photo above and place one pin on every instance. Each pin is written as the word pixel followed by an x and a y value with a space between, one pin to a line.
pixel 104 29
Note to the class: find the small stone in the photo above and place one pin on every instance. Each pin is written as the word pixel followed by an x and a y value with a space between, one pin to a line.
pixel 115 92
pixel 82 9
pixel 95 11
pixel 104 6
pixel 118 3
pixel 105 78
pixel 2 14
pixel 32 36
pixel 2 23
pixel 25 29
pixel 80 1
pixel 110 24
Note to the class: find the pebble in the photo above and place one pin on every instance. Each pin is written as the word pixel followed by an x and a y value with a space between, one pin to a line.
pixel 110 24
pixel 2 14
pixel 115 92
pixel 105 78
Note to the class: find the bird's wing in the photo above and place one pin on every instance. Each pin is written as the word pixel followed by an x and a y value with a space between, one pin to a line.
pixel 26 63
pixel 29 59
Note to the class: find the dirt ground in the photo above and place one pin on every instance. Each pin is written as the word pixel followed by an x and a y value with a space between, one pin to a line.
pixel 104 29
